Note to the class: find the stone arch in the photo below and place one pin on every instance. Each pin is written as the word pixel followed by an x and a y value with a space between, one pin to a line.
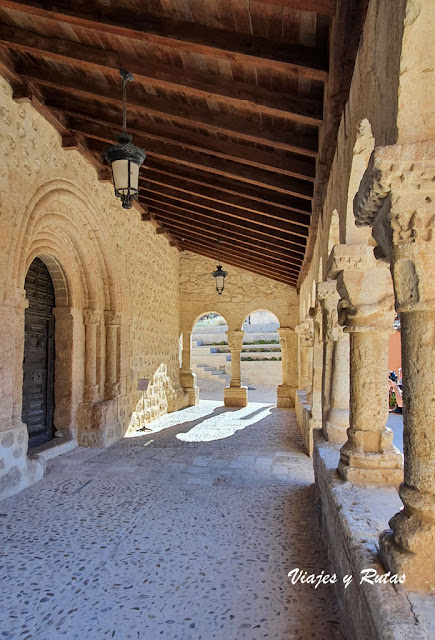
pixel 204 313
pixel 362 150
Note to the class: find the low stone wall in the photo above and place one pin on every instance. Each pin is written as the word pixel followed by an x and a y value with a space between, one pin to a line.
pixel 261 372
pixel 351 520
pixel 304 420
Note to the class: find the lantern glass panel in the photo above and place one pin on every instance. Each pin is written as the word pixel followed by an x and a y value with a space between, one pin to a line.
pixel 121 170
pixel 220 282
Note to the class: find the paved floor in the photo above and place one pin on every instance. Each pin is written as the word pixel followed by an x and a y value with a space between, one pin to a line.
pixel 187 532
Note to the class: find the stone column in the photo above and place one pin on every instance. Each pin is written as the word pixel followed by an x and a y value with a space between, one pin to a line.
pixel 287 390
pixel 187 377
pixel 366 309
pixel 317 370
pixel 91 319
pixel 112 321
pixel 397 198
pixel 305 331
pixel 235 395
pixel 336 417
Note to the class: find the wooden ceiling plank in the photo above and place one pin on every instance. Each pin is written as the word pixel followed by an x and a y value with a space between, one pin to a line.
pixel 228 244
pixel 237 241
pixel 323 7
pixel 180 113
pixel 176 154
pixel 244 235
pixel 303 169
pixel 248 192
pixel 231 93
pixel 201 217
pixel 235 212
pixel 209 193
pixel 281 226
pixel 308 62
pixel 205 251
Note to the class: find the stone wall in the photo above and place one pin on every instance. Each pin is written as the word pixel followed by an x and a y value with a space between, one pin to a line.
pixel 116 287
pixel 244 293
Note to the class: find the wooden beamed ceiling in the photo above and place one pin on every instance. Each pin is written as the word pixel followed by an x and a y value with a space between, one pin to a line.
pixel 230 101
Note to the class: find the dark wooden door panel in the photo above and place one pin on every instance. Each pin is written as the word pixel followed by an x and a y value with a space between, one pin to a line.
pixel 38 364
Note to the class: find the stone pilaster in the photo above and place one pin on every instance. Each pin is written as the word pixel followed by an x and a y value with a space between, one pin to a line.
pixel 112 321
pixel 287 390
pixel 397 198
pixel 235 395
pixel 367 312
pixel 336 416
pixel 187 377
pixel 91 319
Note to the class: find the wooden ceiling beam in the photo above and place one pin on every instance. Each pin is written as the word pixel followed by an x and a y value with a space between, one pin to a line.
pixel 281 226
pixel 180 113
pixel 272 221
pixel 175 154
pixel 245 236
pixel 307 62
pixel 246 265
pixel 225 186
pixel 323 7
pixel 293 166
pixel 206 87
pixel 152 180
pixel 227 244
pixel 239 226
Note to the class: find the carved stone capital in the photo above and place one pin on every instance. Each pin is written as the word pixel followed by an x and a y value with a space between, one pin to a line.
pixel 286 336
pixel 365 288
pixel 91 316
pixel 327 295
pixel 305 331
pixel 235 340
pixel 112 318
pixel 397 198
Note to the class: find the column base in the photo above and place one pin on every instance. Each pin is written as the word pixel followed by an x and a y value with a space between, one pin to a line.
pixel 17 471
pixel 236 396
pixel 97 423
pixel 419 568
pixel 188 382
pixel 285 396
pixel 337 426
pixel 193 396
pixel 363 468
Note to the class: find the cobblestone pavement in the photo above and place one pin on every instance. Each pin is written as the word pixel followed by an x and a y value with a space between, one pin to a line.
pixel 187 532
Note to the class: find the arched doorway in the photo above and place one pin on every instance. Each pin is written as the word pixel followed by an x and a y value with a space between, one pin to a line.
pixel 38 362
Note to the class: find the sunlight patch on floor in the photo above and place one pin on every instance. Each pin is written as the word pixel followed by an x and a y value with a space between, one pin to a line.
pixel 226 424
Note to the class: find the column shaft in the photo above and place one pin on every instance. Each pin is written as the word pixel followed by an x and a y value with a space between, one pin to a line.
pixel 337 420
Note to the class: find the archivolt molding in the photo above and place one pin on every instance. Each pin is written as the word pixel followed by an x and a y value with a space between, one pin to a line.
pixel 61 205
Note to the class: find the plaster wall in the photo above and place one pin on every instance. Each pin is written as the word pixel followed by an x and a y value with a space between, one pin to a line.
pixel 117 295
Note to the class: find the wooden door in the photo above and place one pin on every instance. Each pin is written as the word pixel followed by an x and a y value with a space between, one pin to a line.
pixel 38 364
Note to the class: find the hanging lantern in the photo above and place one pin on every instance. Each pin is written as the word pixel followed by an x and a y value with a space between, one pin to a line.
pixel 219 275
pixel 125 158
